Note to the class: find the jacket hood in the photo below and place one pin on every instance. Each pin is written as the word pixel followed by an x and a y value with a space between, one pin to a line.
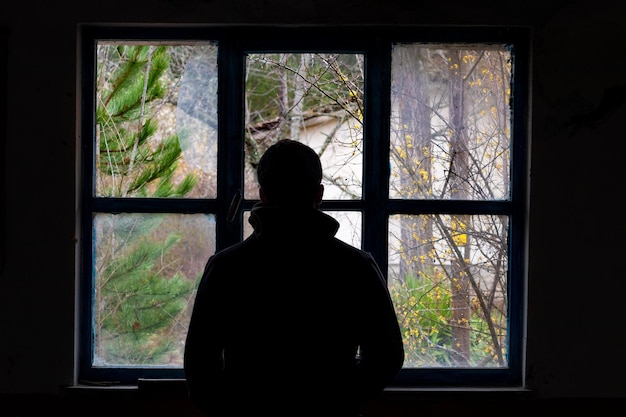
pixel 289 224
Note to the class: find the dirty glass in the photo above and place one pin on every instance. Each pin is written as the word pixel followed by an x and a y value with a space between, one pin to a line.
pixel 450 123
pixel 145 270
pixel 156 120
pixel 450 139
pixel 313 98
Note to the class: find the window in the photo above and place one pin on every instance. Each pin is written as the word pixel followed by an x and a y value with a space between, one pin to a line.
pixel 422 134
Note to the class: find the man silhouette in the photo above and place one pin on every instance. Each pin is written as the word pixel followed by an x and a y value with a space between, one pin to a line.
pixel 292 321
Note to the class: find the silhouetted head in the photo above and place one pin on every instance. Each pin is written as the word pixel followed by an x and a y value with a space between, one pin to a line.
pixel 290 174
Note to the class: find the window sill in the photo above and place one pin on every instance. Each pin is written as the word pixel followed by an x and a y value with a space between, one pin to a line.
pixel 176 388
pixel 456 393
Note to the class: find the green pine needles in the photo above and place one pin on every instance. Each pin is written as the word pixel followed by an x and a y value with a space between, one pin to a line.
pixel 141 292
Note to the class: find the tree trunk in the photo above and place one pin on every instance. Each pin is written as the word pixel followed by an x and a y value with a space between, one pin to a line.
pixel 414 137
pixel 460 285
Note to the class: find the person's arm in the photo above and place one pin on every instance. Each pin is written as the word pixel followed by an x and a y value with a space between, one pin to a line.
pixel 382 350
pixel 203 358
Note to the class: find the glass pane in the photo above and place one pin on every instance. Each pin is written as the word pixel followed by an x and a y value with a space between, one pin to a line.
pixel 349 226
pixel 450 123
pixel 313 98
pixel 448 280
pixel 156 120
pixel 145 273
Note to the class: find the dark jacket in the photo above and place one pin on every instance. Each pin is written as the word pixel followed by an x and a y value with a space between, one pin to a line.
pixel 291 321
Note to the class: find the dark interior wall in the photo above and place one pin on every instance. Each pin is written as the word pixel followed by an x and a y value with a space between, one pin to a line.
pixel 576 282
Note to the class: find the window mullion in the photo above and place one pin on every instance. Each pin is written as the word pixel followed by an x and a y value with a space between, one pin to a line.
pixel 376 161
pixel 230 163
